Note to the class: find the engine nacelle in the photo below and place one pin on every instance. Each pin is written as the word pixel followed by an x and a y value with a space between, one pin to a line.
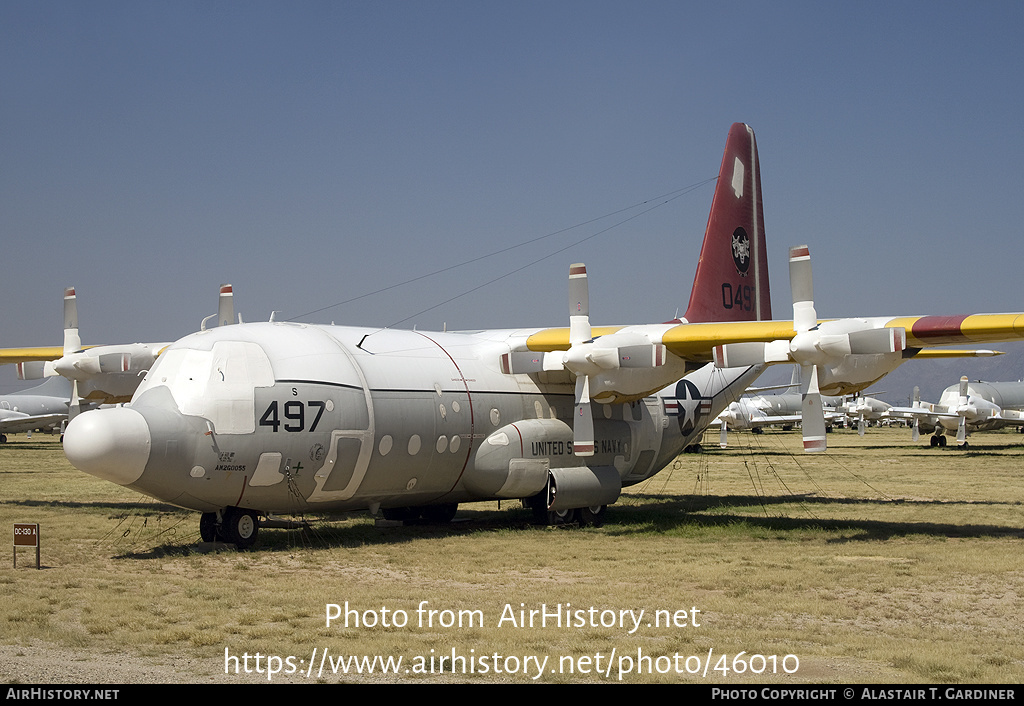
pixel 515 460
pixel 584 487
pixel 508 465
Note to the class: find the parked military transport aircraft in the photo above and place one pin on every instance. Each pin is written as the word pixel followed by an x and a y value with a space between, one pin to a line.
pixel 280 417
pixel 40 408
pixel 965 408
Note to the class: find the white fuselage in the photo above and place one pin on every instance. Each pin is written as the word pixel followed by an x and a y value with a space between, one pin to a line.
pixel 285 417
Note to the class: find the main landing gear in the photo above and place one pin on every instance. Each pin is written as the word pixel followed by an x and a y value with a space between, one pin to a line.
pixel 937 440
pixel 583 516
pixel 233 525
pixel 431 514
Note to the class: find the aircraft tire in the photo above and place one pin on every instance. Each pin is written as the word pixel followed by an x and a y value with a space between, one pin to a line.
pixel 208 527
pixel 440 514
pixel 934 441
pixel 400 514
pixel 240 527
pixel 561 517
pixel 942 441
pixel 592 516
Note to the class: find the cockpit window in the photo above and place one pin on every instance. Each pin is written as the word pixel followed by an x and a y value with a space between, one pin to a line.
pixel 217 384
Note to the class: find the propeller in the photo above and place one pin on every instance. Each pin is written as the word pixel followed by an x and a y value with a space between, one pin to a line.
pixel 225 308
pixel 731 413
pixel 861 407
pixel 593 362
pixel 72 344
pixel 592 359
pixel 915 434
pixel 810 348
pixel 579 336
pixel 963 409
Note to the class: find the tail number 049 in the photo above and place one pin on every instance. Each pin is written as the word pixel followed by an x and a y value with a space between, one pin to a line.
pixel 292 415
pixel 742 298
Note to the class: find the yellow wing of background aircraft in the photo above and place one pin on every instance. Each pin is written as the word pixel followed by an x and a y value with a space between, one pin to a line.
pixel 99 374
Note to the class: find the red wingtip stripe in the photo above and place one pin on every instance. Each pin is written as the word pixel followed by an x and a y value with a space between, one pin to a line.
pixel 932 327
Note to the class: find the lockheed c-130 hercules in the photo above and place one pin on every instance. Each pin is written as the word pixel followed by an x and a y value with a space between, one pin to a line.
pixel 243 421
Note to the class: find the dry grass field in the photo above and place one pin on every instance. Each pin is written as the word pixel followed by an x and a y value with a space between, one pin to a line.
pixel 880 561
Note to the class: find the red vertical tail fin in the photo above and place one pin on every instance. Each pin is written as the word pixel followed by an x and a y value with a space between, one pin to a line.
pixel 731 283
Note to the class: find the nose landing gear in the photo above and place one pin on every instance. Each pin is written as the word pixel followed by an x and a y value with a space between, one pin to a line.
pixel 235 525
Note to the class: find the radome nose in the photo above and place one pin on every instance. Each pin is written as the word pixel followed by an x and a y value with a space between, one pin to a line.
pixel 112 444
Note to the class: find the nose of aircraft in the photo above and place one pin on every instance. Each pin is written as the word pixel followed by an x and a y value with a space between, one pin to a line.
pixel 112 444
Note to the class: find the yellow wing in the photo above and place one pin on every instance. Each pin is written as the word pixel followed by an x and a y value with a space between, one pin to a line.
pixel 695 342
pixel 927 331
pixel 25 355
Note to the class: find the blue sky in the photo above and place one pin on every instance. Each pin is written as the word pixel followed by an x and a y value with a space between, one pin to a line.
pixel 311 153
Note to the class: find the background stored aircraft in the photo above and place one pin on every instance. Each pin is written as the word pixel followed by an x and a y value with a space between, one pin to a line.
pixel 965 408
pixel 40 408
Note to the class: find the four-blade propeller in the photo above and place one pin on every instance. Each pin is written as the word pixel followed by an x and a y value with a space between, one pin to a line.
pixel 810 348
pixel 591 360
